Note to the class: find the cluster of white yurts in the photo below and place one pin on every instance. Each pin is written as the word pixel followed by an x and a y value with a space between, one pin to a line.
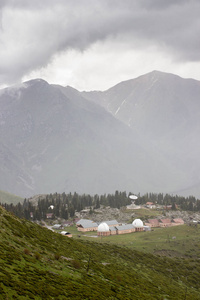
pixel 104 229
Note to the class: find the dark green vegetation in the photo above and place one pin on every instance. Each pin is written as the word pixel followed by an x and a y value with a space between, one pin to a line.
pixel 9 198
pixel 185 203
pixel 36 263
pixel 65 205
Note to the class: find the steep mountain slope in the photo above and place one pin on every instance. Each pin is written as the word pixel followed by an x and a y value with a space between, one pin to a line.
pixel 165 111
pixel 36 263
pixel 159 97
pixel 52 139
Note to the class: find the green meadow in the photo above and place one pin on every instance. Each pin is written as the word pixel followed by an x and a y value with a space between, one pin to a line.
pixel 180 241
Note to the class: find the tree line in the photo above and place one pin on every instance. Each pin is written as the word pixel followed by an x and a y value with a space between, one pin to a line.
pixel 184 203
pixel 65 205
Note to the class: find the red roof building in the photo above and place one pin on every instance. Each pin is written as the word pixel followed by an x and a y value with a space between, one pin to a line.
pixel 149 203
pixel 152 223
pixel 49 215
pixel 177 221
pixel 165 223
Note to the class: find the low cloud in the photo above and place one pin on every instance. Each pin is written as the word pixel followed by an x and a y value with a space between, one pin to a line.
pixel 32 33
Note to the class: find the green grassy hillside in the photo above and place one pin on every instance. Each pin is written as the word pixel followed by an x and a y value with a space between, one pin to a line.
pixel 176 241
pixel 36 263
pixel 8 198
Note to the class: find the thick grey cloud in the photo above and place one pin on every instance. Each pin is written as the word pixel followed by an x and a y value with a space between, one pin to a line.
pixel 33 32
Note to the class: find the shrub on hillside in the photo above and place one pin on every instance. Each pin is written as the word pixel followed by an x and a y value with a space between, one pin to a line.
pixel 76 264
pixel 57 256
pixel 37 255
pixel 26 251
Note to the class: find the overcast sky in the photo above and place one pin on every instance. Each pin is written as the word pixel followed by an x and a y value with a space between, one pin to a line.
pixel 95 44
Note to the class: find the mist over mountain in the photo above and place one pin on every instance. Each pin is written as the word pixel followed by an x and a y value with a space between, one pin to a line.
pixel 139 136
pixel 164 109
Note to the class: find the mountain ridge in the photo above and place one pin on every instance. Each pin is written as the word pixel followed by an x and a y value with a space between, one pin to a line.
pixel 56 138
pixel 164 109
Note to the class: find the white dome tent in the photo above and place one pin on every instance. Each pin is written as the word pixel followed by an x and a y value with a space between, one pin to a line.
pixel 133 197
pixel 103 229
pixel 138 224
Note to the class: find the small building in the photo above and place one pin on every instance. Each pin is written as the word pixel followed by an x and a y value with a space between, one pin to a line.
pixel 138 225
pixel 65 233
pixel 177 221
pixel 103 229
pixel 86 225
pixel 67 223
pixel 57 226
pixel 168 207
pixel 80 221
pixel 152 223
pixel 112 223
pixel 147 228
pixel 193 223
pixel 75 220
pixel 49 215
pixel 113 230
pixel 84 211
pixel 165 223
pixel 133 206
pixel 123 229
pixel 150 205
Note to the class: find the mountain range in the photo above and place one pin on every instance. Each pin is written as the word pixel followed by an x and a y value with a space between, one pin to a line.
pixel 141 135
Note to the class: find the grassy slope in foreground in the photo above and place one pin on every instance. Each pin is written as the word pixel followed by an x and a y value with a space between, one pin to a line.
pixel 36 263
pixel 8 198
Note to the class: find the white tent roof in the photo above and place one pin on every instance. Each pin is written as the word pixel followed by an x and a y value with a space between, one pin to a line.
pixel 138 223
pixel 103 227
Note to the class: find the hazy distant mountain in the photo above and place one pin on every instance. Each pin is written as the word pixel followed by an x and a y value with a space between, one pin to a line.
pixel 165 111
pixel 53 139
